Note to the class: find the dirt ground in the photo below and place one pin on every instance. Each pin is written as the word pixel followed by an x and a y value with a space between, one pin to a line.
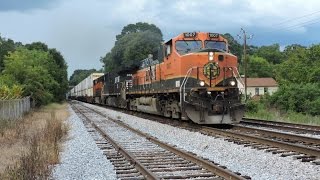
pixel 13 138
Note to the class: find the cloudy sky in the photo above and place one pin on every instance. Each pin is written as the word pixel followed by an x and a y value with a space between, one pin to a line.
pixel 85 30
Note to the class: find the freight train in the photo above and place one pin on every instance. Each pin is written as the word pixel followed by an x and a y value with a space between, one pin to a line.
pixel 192 77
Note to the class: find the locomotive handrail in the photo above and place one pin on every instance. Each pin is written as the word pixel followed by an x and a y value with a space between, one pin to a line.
pixel 183 85
pixel 240 79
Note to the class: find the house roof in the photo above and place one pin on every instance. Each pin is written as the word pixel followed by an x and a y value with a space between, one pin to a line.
pixel 261 82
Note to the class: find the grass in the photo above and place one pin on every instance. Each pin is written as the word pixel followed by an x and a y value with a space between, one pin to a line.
pixel 30 146
pixel 265 113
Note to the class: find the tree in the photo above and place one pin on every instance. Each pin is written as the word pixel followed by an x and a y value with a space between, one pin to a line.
pixel 299 78
pixel 134 43
pixel 301 66
pixel 59 73
pixel 234 47
pixel 58 68
pixel 259 67
pixel 6 46
pixel 30 68
pixel 271 53
pixel 37 46
pixel 79 75
pixel 138 27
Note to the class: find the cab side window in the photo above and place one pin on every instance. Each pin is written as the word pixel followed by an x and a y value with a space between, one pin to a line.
pixel 168 48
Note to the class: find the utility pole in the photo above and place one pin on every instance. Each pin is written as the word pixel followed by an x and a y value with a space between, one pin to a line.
pixel 245 37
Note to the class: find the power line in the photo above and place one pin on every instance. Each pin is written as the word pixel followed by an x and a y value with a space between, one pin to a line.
pixel 293 19
pixel 299 24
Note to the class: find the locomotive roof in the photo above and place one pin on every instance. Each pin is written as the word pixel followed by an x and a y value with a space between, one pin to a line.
pixel 198 35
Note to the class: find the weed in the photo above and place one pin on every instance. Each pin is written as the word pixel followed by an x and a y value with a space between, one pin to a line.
pixel 43 136
pixel 261 111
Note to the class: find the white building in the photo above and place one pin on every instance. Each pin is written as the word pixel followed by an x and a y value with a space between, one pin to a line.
pixel 259 86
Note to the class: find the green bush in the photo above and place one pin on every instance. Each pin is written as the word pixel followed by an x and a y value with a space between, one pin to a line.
pixel 304 98
pixel 252 106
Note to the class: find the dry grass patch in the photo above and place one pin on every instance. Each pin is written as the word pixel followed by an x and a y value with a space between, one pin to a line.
pixel 31 146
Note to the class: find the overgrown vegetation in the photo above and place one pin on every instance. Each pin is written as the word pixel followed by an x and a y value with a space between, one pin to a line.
pixel 7 92
pixel 31 146
pixel 263 110
pixel 32 70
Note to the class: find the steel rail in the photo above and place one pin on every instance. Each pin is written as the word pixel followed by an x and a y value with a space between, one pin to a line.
pixel 202 163
pixel 283 125
pixel 279 144
pixel 141 168
pixel 279 134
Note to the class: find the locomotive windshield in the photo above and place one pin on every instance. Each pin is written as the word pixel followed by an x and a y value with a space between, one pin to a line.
pixel 184 47
pixel 215 45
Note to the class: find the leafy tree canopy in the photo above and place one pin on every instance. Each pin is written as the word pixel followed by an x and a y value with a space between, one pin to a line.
pixel 138 27
pixel 30 68
pixel 301 66
pixel 79 75
pixel 6 46
pixel 259 67
pixel 234 47
pixel 134 43
pixel 271 53
pixel 58 68
pixel 33 68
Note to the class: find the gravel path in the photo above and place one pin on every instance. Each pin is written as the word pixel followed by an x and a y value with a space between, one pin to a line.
pixel 81 158
pixel 254 163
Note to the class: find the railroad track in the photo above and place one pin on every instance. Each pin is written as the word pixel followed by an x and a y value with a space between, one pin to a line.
pixel 137 155
pixel 297 128
pixel 306 149
pixel 302 148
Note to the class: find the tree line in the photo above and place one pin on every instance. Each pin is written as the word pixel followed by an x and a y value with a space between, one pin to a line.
pixel 296 69
pixel 32 70
pixel 132 45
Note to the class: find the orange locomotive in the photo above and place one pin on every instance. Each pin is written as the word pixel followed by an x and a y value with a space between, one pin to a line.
pixel 193 76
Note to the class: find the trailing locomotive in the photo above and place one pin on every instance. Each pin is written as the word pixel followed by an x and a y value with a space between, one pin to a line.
pixel 193 76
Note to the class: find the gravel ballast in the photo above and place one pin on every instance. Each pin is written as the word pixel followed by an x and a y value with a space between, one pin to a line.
pixel 251 162
pixel 81 158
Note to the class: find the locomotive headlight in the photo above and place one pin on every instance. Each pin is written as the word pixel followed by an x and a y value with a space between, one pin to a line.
pixel 201 83
pixel 232 82
pixel 210 56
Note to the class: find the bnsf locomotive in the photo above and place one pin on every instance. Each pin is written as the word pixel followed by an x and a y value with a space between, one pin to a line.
pixel 192 76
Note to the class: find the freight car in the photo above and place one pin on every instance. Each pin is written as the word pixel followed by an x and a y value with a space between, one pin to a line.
pixel 84 90
pixel 192 76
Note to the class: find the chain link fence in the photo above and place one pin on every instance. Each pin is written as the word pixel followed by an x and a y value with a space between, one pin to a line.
pixel 14 109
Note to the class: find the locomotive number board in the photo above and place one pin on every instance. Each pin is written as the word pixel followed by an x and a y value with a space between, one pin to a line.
pixel 213 35
pixel 190 34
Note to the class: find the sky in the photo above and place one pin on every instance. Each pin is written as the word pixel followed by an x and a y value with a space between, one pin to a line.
pixel 85 30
